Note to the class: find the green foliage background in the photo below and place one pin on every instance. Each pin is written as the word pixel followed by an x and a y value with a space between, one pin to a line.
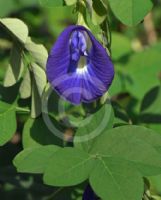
pixel 135 94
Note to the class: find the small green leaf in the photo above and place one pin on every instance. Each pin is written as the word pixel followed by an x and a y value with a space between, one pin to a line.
pixel 16 27
pixel 112 179
pixel 98 12
pixel 131 12
pixel 15 67
pixel 34 160
pixel 8 122
pixel 39 76
pixel 151 102
pixel 68 167
pixel 25 88
pixel 35 100
pixel 51 3
pixel 38 52
pixel 36 134
pixel 38 84
pixel 70 2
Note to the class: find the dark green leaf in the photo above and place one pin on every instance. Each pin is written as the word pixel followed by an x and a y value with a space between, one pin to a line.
pixel 36 133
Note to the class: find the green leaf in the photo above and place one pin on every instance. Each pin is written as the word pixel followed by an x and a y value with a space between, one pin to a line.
pixel 98 12
pixel 68 167
pixel 151 102
pixel 121 46
pixel 38 52
pixel 70 2
pixel 15 67
pixel 131 12
pixel 25 88
pixel 8 122
pixel 36 134
pixel 155 183
pixel 137 83
pixel 112 179
pixel 118 159
pixel 51 3
pixel 35 100
pixel 38 84
pixel 91 127
pixel 16 27
pixel 39 76
pixel 133 144
pixel 34 160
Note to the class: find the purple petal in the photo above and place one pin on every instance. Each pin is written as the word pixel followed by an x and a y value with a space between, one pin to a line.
pixel 89 194
pixel 71 82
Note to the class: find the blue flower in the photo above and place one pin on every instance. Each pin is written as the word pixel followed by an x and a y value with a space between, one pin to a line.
pixel 89 194
pixel 78 67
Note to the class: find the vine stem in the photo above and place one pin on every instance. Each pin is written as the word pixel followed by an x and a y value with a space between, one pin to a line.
pixel 20 109
pixel 54 194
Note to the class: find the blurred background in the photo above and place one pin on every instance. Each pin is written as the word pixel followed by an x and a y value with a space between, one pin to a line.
pixel 135 92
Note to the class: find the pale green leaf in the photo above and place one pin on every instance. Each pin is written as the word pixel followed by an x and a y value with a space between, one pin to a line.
pixel 38 52
pixel 98 12
pixel 35 159
pixel 68 167
pixel 38 84
pixel 70 2
pixel 131 12
pixel 25 88
pixel 15 67
pixel 16 27
pixel 8 122
pixel 39 76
